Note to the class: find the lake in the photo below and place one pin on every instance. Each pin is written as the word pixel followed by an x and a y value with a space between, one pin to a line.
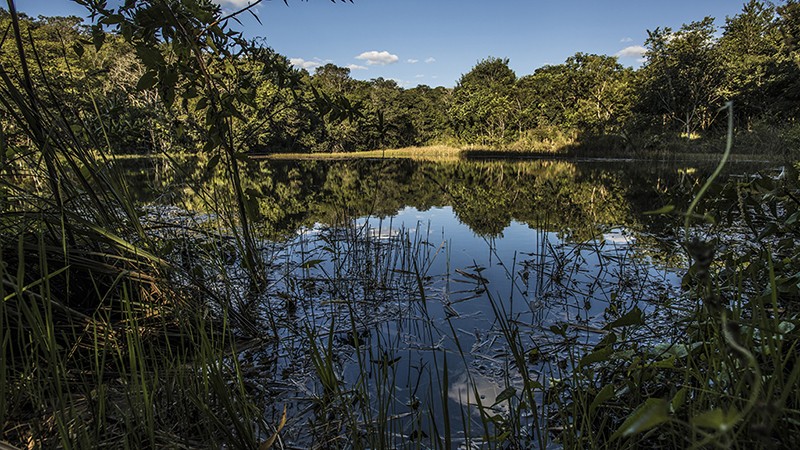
pixel 424 299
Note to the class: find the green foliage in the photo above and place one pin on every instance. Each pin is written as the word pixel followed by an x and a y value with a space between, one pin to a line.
pixel 113 332
pixel 728 375
pixel 482 107
pixel 588 94
pixel 102 345
pixel 135 63
pixel 682 77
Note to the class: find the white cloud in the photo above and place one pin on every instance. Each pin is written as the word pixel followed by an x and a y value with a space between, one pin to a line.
pixel 378 58
pixel 626 39
pixel 234 3
pixel 632 51
pixel 401 83
pixel 419 76
pixel 430 60
pixel 356 67
pixel 303 64
pixel 412 61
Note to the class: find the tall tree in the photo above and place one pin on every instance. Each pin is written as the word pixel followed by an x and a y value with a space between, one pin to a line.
pixel 682 77
pixel 749 46
pixel 482 108
pixel 588 95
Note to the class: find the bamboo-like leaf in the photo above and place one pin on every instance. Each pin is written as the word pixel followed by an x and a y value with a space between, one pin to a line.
pixel 506 394
pixel 271 441
pixel 632 317
pixel 653 412
pixel 606 393
pixel 126 245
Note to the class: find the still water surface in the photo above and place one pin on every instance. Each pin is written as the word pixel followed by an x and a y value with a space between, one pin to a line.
pixel 408 279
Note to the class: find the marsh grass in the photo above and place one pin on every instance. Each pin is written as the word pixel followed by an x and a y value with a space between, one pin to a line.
pixel 387 364
pixel 438 153
pixel 101 347
pixel 727 375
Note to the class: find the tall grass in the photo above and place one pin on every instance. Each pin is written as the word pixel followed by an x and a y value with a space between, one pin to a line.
pixel 727 375
pixel 100 346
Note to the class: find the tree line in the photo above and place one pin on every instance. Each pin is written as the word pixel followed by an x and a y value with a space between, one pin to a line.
pixel 142 103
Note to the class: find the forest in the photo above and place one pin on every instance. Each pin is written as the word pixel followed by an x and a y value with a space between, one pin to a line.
pixel 671 103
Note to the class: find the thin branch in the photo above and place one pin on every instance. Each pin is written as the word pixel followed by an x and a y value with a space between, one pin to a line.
pixel 230 16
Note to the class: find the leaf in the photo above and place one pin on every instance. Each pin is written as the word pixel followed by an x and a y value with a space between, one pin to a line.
pixel 201 104
pixel 559 330
pixel 210 145
pixel 793 218
pixel 271 441
pixel 664 210
pixel 150 57
pixel 653 412
pixel 596 356
pixel 632 317
pixel 668 363
pixel 678 400
pixel 78 48
pixel 212 163
pixel 785 327
pixel 147 81
pixel 311 263
pixel 112 19
pixel 716 419
pixel 507 393
pixel 98 37
pixel 606 393
pixel 533 384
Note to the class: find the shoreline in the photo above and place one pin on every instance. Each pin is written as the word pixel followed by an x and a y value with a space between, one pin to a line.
pixel 440 153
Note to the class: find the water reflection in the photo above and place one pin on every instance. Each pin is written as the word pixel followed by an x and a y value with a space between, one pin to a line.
pixel 575 199
pixel 409 277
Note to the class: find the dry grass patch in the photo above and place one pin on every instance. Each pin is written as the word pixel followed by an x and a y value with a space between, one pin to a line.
pixel 427 153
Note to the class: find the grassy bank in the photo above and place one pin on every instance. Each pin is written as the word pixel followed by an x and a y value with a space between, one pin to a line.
pixel 444 153
pixel 761 145
pixel 429 153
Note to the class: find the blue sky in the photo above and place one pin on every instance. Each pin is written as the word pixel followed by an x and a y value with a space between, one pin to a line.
pixel 434 42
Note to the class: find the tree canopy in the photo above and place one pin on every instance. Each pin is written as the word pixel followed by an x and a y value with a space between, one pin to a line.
pixel 137 65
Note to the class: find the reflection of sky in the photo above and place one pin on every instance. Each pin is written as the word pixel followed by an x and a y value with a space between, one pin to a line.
pixel 536 277
pixel 503 260
pixel 533 278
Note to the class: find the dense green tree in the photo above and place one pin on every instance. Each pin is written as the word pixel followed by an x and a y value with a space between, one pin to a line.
pixel 482 108
pixel 137 85
pixel 600 93
pixel 680 83
pixel 427 113
pixel 544 98
pixel 283 117
pixel 787 87
pixel 789 27
pixel 590 94
pixel 334 82
pixel 758 74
